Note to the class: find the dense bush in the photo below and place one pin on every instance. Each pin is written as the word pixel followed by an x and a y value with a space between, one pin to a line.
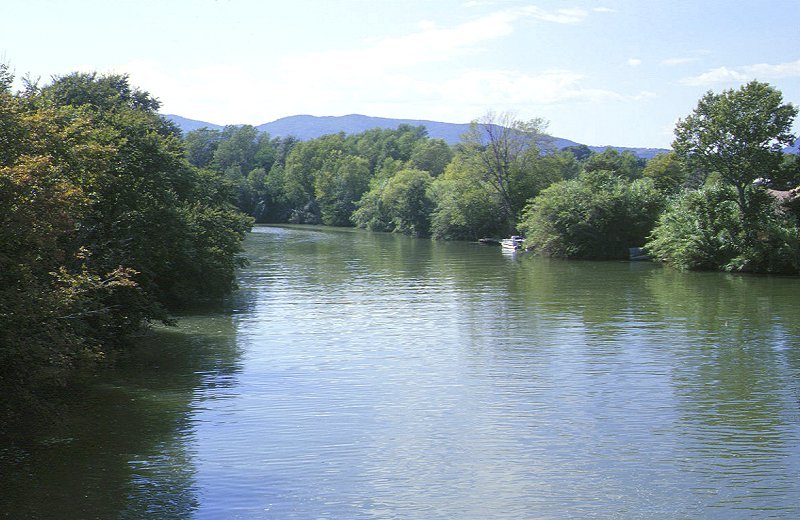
pixel 705 229
pixel 598 215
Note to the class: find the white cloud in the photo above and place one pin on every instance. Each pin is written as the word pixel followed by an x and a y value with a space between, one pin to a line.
pixel 604 10
pixel 645 94
pixel 678 61
pixel 634 62
pixel 779 71
pixel 379 78
pixel 512 88
pixel 761 71
pixel 562 16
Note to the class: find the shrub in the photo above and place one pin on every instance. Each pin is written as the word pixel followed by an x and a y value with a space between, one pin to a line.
pixel 598 215
pixel 705 229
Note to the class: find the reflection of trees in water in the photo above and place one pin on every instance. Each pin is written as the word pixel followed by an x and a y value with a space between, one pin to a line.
pixel 735 373
pixel 736 340
pixel 118 448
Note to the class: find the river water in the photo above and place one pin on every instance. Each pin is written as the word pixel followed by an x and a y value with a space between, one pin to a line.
pixel 365 375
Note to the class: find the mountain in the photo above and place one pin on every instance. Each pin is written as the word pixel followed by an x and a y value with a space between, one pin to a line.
pixel 306 127
pixel 189 125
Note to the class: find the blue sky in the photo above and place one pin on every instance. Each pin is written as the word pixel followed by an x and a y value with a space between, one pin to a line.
pixel 615 72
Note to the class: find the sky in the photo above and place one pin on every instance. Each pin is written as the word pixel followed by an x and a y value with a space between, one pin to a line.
pixel 608 72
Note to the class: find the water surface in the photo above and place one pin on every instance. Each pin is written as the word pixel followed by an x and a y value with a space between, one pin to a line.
pixel 365 375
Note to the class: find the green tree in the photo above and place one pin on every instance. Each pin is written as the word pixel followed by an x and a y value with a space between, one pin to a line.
pixel 201 144
pixel 237 149
pixel 104 225
pixel 739 134
pixel 624 164
pixel 503 150
pixel 465 206
pixel 598 215
pixel 431 155
pixel 340 182
pixel 302 165
pixel 667 171
pixel 147 203
pixel 399 204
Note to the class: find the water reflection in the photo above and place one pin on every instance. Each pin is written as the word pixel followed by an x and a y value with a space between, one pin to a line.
pixel 735 380
pixel 121 445
pixel 362 375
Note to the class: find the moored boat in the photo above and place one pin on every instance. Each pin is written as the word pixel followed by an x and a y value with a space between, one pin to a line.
pixel 512 244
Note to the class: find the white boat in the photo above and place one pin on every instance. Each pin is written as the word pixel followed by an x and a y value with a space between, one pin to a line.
pixel 512 244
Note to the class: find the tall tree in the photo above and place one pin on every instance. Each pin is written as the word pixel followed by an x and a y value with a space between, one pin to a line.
pixel 504 150
pixel 739 134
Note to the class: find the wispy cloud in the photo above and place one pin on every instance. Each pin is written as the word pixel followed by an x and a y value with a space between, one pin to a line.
pixel 634 62
pixel 762 71
pixel 381 77
pixel 564 16
pixel 509 88
pixel 678 61
pixel 431 43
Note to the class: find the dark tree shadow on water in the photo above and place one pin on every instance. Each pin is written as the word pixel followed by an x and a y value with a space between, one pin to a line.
pixel 118 443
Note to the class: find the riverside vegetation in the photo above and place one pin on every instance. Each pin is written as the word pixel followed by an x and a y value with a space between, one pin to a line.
pixel 104 227
pixel 111 218
pixel 704 205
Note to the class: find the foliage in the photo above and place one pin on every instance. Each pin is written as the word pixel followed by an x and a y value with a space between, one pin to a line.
pixel 465 207
pixel 738 134
pixel 431 155
pixel 201 144
pixel 245 158
pixel 104 225
pixel 598 215
pixel 338 185
pixel 302 164
pixel 624 164
pixel 503 151
pixel 703 229
pixel 667 171
pixel 400 204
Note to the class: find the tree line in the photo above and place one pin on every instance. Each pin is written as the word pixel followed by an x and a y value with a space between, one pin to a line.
pixel 105 227
pixel 708 204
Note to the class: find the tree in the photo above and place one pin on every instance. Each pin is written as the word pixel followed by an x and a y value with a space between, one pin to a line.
pixel 201 144
pixel 400 204
pixel 104 225
pixel 703 229
pixel 149 209
pixel 237 149
pixel 739 135
pixel 598 215
pixel 504 149
pixel 667 171
pixel 302 164
pixel 431 155
pixel 465 206
pixel 624 164
pixel 340 182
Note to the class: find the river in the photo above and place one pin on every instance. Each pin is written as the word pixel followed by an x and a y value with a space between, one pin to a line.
pixel 361 375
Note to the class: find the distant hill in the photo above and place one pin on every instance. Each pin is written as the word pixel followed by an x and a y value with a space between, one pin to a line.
pixel 306 127
pixel 190 125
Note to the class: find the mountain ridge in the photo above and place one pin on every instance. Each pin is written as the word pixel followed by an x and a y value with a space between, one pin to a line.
pixel 306 127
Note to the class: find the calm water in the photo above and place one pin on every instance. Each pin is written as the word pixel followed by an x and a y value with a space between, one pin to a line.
pixel 359 375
